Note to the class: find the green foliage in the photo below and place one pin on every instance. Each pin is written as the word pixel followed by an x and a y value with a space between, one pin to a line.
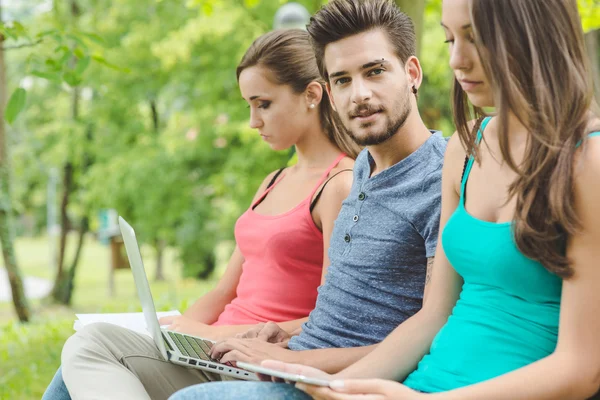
pixel 29 356
pixel 64 57
pixel 161 134
pixel 590 14
pixel 434 98
pixel 30 353
pixel 15 104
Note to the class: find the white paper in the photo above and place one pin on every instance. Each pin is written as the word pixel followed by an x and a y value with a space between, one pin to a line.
pixel 133 321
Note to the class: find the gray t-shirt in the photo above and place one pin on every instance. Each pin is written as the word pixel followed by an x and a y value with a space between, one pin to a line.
pixel 384 233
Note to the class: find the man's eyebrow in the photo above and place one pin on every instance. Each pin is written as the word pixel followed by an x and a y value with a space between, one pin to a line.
pixel 368 65
pixel 374 63
pixel 336 74
pixel 371 64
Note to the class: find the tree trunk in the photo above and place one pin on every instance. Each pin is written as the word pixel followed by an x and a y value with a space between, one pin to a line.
pixel 64 230
pixel 63 284
pixel 67 284
pixel 415 9
pixel 592 42
pixel 6 218
pixel 159 246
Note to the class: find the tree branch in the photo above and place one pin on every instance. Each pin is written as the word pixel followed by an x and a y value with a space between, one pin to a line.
pixel 20 46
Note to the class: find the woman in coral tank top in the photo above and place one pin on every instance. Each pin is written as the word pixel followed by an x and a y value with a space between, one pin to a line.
pixel 281 240
pixel 280 258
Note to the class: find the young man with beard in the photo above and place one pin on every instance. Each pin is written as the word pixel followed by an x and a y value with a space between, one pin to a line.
pixel 384 239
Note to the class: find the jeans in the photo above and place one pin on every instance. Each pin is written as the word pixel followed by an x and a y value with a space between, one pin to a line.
pixel 240 390
pixel 57 389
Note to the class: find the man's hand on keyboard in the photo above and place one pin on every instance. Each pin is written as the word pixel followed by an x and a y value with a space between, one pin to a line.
pixel 268 332
pixel 252 351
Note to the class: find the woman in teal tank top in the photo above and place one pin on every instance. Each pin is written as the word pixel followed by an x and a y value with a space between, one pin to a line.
pixel 513 310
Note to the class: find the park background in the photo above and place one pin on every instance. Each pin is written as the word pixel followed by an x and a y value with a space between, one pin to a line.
pixel 133 105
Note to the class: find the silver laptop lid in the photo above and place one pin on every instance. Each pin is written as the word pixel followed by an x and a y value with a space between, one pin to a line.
pixel 141 283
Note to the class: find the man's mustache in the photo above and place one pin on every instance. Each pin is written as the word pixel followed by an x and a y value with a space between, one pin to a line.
pixel 365 110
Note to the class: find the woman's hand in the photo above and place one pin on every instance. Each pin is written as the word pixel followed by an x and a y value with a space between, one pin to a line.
pixel 361 389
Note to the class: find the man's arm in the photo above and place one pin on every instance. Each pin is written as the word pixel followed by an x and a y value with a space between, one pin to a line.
pixel 430 261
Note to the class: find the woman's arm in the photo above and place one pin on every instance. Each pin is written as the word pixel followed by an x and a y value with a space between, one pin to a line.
pixel 573 370
pixel 398 355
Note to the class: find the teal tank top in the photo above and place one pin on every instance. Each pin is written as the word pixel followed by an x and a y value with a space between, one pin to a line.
pixel 508 311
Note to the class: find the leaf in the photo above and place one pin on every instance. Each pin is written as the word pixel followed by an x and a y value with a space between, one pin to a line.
pixel 15 105
pixel 72 78
pixel 53 65
pixel 6 31
pixel 207 9
pixel 94 38
pixel 46 33
pixel 82 64
pixel 77 40
pixel 65 58
pixel 51 76
pixel 101 60
pixel 18 29
pixel 78 52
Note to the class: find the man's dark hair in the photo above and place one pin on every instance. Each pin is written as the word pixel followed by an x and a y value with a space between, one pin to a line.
pixel 340 19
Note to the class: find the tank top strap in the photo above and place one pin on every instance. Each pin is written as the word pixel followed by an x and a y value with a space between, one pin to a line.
pixel 591 135
pixel 276 179
pixel 326 174
pixel 469 165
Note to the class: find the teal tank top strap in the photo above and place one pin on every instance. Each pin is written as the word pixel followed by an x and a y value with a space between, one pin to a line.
pixel 484 123
pixel 591 135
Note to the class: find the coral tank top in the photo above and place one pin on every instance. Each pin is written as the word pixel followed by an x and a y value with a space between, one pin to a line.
pixel 283 263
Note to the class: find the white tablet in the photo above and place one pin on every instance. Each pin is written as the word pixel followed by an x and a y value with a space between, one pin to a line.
pixel 283 375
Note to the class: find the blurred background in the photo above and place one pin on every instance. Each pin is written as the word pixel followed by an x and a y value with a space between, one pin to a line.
pixel 131 107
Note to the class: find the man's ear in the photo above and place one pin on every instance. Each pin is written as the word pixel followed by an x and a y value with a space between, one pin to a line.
pixel 331 101
pixel 313 94
pixel 414 73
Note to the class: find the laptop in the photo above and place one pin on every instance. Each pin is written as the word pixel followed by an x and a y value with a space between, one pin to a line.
pixel 177 348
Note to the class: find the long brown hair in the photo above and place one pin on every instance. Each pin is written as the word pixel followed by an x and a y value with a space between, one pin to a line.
pixel 534 55
pixel 288 55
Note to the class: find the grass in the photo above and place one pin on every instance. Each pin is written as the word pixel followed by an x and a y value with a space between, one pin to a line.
pixel 30 353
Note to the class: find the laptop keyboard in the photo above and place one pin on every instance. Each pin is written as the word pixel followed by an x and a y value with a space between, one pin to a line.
pixel 193 347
